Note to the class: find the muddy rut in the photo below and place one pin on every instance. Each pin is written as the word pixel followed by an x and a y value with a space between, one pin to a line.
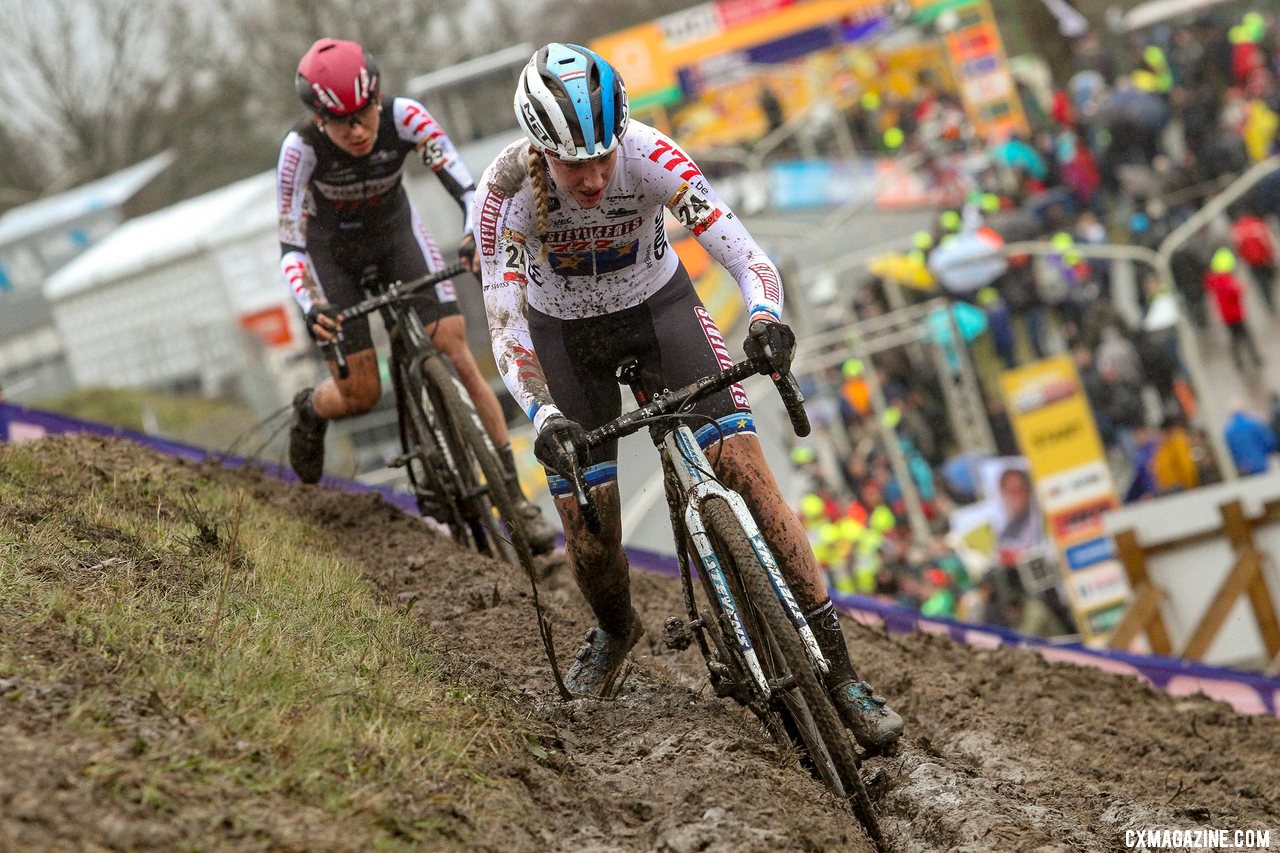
pixel 1003 751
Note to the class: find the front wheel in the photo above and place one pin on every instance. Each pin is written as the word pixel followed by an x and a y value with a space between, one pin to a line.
pixel 806 706
pixel 479 472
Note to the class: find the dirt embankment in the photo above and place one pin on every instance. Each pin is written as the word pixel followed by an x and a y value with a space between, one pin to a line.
pixel 1003 751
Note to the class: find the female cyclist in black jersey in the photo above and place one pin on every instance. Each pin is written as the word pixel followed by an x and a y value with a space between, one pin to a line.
pixel 342 209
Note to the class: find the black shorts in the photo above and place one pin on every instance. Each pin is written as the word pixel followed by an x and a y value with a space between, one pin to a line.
pixel 676 342
pixel 401 252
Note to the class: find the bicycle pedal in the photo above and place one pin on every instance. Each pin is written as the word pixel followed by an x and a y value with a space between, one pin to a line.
pixel 401 461
pixel 676 635
pixel 785 684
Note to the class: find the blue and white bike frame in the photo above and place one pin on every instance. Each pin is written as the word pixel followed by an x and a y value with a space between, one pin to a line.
pixel 697 483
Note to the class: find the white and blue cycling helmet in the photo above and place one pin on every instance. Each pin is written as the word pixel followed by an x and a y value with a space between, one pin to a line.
pixel 571 103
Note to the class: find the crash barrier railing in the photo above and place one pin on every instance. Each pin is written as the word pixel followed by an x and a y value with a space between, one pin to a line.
pixel 1247 693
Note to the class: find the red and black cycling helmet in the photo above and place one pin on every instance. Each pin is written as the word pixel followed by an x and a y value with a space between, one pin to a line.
pixel 337 78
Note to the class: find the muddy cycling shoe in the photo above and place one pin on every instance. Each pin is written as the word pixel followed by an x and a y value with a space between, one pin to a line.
pixel 306 439
pixel 540 531
pixel 600 660
pixel 875 726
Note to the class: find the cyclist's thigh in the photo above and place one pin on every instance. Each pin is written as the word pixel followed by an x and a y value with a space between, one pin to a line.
pixel 578 360
pixel 336 268
pixel 689 347
pixel 411 253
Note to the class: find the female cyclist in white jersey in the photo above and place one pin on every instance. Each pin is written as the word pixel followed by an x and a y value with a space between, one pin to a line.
pixel 577 275
pixel 343 209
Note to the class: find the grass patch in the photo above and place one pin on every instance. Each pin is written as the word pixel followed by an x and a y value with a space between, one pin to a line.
pixel 220 670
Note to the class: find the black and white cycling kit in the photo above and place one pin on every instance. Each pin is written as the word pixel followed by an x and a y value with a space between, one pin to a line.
pixel 611 286
pixel 340 214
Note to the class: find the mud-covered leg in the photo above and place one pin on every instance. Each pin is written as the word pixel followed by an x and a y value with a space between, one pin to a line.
pixel 603 575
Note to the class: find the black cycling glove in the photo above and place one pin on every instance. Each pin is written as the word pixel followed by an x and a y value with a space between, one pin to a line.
pixel 467 250
pixel 554 443
pixel 775 339
pixel 322 309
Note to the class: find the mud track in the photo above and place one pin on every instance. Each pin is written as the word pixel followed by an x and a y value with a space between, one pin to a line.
pixel 1003 751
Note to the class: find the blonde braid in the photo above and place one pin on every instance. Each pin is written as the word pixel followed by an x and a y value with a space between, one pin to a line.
pixel 541 198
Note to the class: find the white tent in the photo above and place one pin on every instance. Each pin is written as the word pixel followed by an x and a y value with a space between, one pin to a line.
pixel 163 301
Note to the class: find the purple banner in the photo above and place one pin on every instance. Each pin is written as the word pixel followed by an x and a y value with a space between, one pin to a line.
pixel 18 423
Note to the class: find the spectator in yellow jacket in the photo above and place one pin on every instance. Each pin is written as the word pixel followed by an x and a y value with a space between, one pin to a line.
pixel 1173 466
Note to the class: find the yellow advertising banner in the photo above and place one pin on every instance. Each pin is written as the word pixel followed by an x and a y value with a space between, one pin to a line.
pixel 650 55
pixel 1056 432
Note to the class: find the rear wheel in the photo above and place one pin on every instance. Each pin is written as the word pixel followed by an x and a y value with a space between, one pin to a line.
pixel 806 707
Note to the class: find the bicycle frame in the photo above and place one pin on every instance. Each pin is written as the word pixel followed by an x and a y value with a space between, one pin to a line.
pixel 696 482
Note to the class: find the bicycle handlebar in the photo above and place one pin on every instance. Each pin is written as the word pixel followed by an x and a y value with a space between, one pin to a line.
pixel 671 402
pixel 394 292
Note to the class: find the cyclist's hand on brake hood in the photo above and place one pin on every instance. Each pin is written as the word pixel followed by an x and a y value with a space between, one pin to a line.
pixel 559 442
pixel 322 320
pixel 774 338
pixel 467 254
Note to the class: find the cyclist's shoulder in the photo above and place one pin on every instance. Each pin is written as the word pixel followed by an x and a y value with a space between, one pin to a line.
pixel 508 174
pixel 650 154
pixel 302 132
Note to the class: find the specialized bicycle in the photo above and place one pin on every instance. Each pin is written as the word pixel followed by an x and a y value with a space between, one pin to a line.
pixel 452 466
pixel 758 648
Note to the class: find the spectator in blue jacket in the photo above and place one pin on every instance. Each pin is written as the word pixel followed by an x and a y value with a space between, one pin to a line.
pixel 1250 441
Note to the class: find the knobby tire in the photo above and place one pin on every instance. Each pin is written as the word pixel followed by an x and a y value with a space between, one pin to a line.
pixel 474 458
pixel 779 638
pixel 418 437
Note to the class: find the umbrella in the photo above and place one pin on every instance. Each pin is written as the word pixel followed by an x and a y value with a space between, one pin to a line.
pixel 1137 108
pixel 1016 154
pixel 969 261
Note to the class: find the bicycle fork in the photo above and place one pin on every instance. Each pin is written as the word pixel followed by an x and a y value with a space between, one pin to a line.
pixel 698 486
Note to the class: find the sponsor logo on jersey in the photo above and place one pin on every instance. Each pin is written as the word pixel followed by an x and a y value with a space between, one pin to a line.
pixel 769 279
pixel 358 190
pixel 528 370
pixel 619 212
pixel 596 232
pixel 288 174
pixel 383 156
pixel 489 209
pixel 674 160
pixel 716 340
pixel 420 119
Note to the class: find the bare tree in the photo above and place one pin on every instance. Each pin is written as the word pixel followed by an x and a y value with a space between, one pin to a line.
pixel 93 86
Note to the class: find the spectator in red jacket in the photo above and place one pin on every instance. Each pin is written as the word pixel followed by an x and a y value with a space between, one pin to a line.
pixel 1256 246
pixel 1227 292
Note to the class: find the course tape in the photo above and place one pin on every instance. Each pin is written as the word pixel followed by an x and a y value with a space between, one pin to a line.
pixel 1247 693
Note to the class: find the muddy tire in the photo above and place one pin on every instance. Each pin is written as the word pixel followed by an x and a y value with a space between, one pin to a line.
pixel 812 719
pixel 421 437
pixel 498 523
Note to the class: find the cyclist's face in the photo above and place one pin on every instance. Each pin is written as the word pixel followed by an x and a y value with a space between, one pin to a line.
pixel 585 180
pixel 356 133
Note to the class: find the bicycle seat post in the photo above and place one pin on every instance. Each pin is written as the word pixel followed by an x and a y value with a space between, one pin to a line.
pixel 628 374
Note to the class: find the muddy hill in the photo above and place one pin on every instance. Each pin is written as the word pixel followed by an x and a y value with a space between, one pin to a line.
pixel 1002 751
